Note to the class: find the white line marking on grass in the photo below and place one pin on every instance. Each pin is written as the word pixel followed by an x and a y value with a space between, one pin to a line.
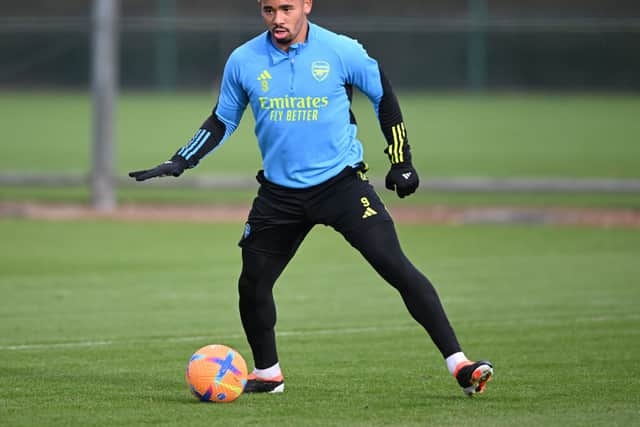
pixel 347 330
pixel 57 345
pixel 207 338
pixel 294 333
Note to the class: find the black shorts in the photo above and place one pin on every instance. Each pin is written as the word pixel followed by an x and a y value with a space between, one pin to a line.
pixel 281 217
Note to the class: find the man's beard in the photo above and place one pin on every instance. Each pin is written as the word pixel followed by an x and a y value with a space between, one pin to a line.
pixel 283 41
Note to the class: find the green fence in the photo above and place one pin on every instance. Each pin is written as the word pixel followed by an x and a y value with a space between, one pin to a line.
pixel 473 51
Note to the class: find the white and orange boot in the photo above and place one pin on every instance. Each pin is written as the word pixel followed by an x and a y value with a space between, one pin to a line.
pixel 473 376
pixel 264 385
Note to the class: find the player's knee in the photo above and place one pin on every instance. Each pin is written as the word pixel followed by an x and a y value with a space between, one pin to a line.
pixel 399 273
pixel 391 265
pixel 254 288
pixel 246 286
pixel 250 287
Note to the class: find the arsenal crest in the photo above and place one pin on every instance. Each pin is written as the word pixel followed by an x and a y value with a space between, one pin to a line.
pixel 320 70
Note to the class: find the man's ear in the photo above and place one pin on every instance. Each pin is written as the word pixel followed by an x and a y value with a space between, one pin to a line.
pixel 308 5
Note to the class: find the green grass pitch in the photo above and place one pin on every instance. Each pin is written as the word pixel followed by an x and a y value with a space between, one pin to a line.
pixel 510 135
pixel 453 135
pixel 141 193
pixel 98 320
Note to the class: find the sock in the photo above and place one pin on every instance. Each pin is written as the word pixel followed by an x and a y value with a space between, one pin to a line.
pixel 454 360
pixel 268 373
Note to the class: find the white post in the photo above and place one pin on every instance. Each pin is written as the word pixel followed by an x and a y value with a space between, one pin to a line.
pixel 105 86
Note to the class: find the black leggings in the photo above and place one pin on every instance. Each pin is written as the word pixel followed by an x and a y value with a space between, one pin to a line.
pixel 380 247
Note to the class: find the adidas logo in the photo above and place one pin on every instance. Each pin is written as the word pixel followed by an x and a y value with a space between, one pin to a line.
pixel 264 75
pixel 264 80
pixel 369 213
pixel 406 175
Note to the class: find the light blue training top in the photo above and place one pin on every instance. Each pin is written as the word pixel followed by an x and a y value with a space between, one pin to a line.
pixel 300 101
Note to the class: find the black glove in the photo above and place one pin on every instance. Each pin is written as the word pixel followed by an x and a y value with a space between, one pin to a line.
pixel 173 167
pixel 402 178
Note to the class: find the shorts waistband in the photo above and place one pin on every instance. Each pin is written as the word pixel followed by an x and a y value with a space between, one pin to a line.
pixel 347 171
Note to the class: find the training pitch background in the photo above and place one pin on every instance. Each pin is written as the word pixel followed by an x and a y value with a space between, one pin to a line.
pixel 99 319
pixel 99 314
